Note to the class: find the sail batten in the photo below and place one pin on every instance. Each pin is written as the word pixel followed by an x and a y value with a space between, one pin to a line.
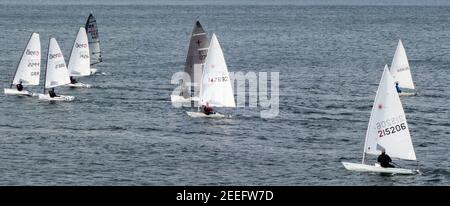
pixel 388 128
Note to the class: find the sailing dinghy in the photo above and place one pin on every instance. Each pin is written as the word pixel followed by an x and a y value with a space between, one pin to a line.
pixel 401 71
pixel 215 87
pixel 198 48
pixel 387 130
pixel 28 69
pixel 94 42
pixel 79 63
pixel 56 73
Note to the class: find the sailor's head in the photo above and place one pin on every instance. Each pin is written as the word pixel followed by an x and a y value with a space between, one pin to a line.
pixel 396 83
pixel 383 151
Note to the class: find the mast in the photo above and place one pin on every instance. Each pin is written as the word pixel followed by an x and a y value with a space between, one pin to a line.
pixel 370 119
pixel 46 62
pixel 17 67
pixel 200 89
pixel 71 50
pixel 365 141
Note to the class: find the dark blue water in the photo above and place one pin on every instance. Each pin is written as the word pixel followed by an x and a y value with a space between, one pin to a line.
pixel 124 131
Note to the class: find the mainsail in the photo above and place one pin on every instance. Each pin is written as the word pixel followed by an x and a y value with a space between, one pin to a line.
pixel 400 69
pixel 79 58
pixel 388 128
pixel 216 83
pixel 28 69
pixel 198 48
pixel 56 73
pixel 93 39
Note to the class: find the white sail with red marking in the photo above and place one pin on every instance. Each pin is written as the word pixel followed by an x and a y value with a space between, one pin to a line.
pixel 388 128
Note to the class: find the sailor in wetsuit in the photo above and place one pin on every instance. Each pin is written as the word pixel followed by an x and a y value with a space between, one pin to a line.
pixel 73 80
pixel 19 86
pixel 398 88
pixel 52 93
pixel 384 159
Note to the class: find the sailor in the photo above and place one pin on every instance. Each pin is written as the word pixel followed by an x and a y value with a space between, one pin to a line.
pixel 72 80
pixel 52 93
pixel 207 109
pixel 384 159
pixel 19 86
pixel 398 88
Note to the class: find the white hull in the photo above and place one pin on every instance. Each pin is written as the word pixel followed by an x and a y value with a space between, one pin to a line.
pixel 201 114
pixel 47 97
pixel 79 85
pixel 377 169
pixel 406 94
pixel 9 91
pixel 182 100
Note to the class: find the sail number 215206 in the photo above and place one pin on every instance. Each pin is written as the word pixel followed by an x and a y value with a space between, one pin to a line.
pixel 391 130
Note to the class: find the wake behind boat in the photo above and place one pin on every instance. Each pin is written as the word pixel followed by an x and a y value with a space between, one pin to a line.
pixel 387 131
pixel 56 74
pixel 79 62
pixel 28 70
pixel 181 99
pixel 198 48
pixel 215 87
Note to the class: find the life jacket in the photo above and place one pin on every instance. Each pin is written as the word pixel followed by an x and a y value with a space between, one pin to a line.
pixel 19 87
pixel 52 94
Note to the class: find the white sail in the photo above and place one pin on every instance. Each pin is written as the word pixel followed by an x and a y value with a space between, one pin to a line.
pixel 400 69
pixel 57 73
pixel 388 128
pixel 79 63
pixel 216 84
pixel 28 70
pixel 94 40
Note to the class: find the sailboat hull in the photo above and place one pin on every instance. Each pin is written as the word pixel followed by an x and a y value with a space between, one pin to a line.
pixel 93 71
pixel 46 97
pixel 79 85
pixel 9 91
pixel 203 115
pixel 377 169
pixel 406 94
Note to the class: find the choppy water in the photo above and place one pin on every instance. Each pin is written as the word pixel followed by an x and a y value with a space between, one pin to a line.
pixel 125 132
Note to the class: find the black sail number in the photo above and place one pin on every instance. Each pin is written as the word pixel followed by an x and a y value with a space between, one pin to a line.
pixel 391 130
